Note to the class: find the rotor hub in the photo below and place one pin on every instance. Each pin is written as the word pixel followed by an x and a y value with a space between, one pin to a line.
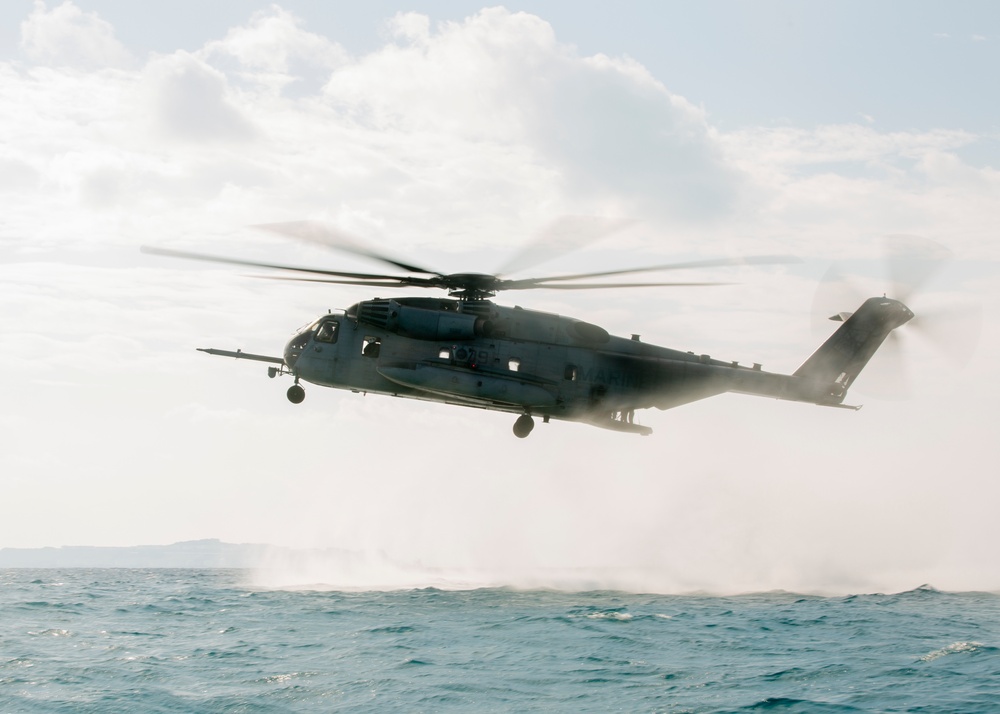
pixel 471 286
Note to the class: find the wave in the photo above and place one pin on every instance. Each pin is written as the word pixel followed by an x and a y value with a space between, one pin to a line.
pixel 957 648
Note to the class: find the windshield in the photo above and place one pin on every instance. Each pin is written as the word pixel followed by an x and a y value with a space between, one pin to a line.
pixel 308 327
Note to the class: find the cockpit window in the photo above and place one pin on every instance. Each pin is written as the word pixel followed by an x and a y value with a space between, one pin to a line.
pixel 307 328
pixel 327 332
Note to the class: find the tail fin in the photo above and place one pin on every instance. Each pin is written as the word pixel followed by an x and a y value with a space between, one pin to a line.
pixel 841 358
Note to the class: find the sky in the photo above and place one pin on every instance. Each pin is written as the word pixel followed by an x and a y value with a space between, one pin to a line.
pixel 450 134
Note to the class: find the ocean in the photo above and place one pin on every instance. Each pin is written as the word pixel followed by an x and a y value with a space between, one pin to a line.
pixel 133 640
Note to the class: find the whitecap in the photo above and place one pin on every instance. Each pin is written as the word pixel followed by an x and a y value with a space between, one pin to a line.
pixel 953 648
pixel 619 616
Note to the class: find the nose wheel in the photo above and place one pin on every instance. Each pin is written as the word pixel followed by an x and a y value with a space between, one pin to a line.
pixel 523 426
pixel 295 394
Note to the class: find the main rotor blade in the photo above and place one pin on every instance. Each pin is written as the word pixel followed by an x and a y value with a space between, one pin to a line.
pixel 255 264
pixel 329 237
pixel 714 263
pixel 563 235
pixel 400 283
pixel 598 286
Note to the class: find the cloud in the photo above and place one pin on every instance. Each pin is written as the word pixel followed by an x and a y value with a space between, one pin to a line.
pixel 462 135
pixel 606 126
pixel 67 36
pixel 16 175
pixel 834 187
pixel 273 49
pixel 189 101
pixel 465 133
pixel 797 147
pixel 274 41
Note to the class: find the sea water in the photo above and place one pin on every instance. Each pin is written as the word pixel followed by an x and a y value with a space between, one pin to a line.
pixel 116 640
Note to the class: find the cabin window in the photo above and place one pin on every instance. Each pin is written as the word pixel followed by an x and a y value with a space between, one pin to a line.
pixel 513 364
pixel 327 332
pixel 371 346
pixel 444 353
pixel 570 372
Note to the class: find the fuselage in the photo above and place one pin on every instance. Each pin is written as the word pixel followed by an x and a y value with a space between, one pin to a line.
pixel 476 353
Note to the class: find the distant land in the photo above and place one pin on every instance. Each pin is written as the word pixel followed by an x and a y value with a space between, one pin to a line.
pixel 208 553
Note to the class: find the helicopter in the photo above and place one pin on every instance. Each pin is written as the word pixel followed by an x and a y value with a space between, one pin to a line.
pixel 466 350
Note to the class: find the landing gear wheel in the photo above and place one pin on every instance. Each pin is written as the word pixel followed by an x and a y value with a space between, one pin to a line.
pixel 296 394
pixel 523 426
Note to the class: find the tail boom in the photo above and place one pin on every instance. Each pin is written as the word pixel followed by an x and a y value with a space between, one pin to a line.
pixel 824 378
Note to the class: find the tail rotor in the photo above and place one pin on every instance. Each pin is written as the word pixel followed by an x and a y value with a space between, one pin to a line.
pixel 915 271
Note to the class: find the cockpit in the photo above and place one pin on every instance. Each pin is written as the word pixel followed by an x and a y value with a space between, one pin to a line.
pixel 324 330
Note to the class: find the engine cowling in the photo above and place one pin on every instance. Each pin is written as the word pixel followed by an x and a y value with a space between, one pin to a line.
pixel 423 323
pixel 435 325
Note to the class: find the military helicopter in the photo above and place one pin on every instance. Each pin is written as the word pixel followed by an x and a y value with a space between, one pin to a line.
pixel 465 350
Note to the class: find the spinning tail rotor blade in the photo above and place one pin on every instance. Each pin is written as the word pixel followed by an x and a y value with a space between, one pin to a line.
pixel 836 295
pixel 910 261
pixel 892 372
pixel 952 330
pixel 908 266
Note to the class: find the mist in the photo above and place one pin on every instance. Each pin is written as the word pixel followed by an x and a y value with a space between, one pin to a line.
pixel 731 495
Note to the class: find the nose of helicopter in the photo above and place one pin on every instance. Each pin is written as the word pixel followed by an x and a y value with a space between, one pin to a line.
pixel 290 355
pixel 293 350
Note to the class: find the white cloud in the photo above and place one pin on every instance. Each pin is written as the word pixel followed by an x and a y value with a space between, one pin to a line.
pixel 833 188
pixel 273 50
pixel 483 129
pixel 274 41
pixel 792 147
pixel 467 134
pixel 16 175
pixel 67 36
pixel 189 101
pixel 612 132
pixel 410 26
